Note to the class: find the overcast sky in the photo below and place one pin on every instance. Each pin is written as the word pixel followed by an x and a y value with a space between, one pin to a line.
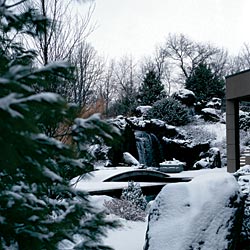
pixel 136 26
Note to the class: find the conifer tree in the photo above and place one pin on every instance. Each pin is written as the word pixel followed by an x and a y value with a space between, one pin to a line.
pixel 38 208
pixel 133 193
pixel 205 84
pixel 151 89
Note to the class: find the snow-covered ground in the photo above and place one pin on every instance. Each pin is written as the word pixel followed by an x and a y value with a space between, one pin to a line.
pixel 132 235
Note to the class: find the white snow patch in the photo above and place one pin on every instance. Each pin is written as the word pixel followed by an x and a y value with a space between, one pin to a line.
pixel 130 236
pixel 209 110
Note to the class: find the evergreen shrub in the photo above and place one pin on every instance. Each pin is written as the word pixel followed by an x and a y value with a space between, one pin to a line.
pixel 133 193
pixel 171 111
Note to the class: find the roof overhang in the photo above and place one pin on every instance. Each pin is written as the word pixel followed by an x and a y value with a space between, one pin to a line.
pixel 238 86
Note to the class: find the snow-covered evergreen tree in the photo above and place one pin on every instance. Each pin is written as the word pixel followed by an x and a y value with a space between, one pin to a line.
pixel 151 89
pixel 133 193
pixel 38 209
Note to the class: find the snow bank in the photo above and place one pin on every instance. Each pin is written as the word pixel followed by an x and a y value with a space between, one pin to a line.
pixel 194 215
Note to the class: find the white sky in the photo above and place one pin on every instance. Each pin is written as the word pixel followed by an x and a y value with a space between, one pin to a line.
pixel 135 27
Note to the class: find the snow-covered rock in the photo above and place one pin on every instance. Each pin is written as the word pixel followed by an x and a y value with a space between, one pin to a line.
pixel 130 159
pixel 245 170
pixel 185 96
pixel 185 150
pixel 201 214
pixel 142 110
pixel 215 103
pixel 201 164
pixel 210 114
pixel 156 126
pixel 210 159
pixel 123 143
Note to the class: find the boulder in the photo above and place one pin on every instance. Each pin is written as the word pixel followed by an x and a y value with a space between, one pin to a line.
pixel 205 213
pixel 185 96
pixel 210 159
pixel 130 159
pixel 155 126
pixel 142 110
pixel 123 143
pixel 210 114
pixel 214 103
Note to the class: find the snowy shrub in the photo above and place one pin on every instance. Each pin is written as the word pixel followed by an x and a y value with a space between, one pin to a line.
pixel 245 137
pixel 132 204
pixel 244 120
pixel 243 175
pixel 125 209
pixel 133 194
pixel 171 111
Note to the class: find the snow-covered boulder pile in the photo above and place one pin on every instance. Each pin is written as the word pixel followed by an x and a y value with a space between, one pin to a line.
pixel 185 96
pixel 202 214
pixel 155 126
pixel 186 151
pixel 211 114
pixel 210 159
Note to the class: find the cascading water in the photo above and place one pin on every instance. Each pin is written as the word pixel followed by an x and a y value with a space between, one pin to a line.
pixel 149 148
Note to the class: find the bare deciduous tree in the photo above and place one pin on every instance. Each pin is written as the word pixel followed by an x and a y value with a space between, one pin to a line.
pixel 241 61
pixel 108 87
pixel 186 55
pixel 62 33
pixel 89 69
pixel 126 76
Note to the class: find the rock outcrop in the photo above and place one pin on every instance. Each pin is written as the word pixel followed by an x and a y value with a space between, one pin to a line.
pixel 205 213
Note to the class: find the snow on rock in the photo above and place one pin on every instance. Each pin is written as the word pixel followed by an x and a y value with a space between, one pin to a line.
pixel 130 159
pixel 210 159
pixel 185 96
pixel 243 171
pixel 214 103
pixel 195 215
pixel 142 110
pixel 202 163
pixel 210 114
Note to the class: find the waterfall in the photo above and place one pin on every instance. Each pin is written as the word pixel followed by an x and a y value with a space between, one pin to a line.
pixel 149 148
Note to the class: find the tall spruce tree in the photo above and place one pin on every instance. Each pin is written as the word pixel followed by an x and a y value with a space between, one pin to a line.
pixel 38 208
pixel 151 89
pixel 205 84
